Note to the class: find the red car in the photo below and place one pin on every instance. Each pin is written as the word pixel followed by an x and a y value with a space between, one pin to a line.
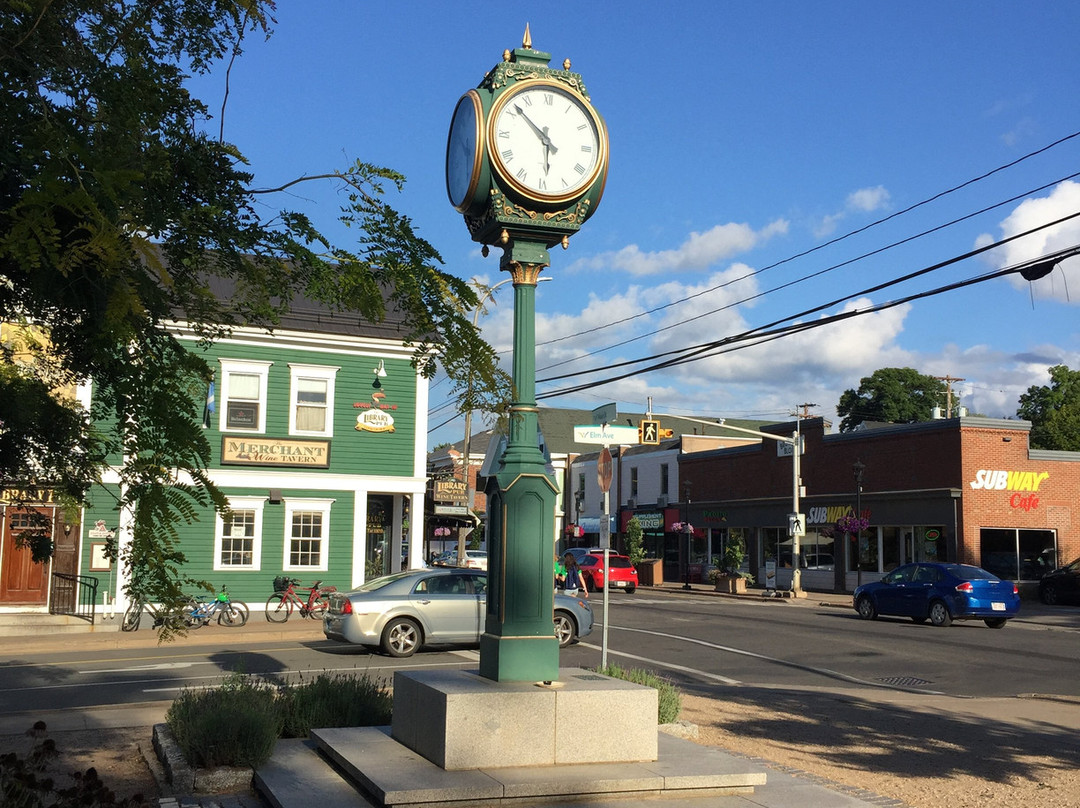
pixel 621 573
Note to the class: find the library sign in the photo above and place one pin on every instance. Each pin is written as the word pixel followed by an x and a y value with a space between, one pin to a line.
pixel 275 452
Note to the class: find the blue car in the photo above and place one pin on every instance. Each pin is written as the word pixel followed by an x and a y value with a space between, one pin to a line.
pixel 940 593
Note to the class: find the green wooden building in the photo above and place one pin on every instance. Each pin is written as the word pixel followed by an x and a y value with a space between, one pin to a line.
pixel 318 432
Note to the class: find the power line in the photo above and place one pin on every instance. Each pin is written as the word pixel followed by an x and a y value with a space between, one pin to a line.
pixel 759 335
pixel 848 235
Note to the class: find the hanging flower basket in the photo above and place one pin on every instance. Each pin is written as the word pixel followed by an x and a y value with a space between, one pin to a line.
pixel 850 523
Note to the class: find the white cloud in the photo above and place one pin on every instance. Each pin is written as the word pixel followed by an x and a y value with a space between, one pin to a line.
pixel 863 200
pixel 1062 201
pixel 698 251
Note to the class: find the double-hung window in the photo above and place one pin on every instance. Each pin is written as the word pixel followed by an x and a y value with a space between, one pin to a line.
pixel 238 540
pixel 307 534
pixel 243 395
pixel 312 408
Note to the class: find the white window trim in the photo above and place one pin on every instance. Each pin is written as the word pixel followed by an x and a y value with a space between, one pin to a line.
pixel 328 373
pixel 240 504
pixel 230 366
pixel 323 507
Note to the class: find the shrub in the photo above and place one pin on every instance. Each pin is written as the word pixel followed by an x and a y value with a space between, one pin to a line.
pixel 236 724
pixel 669 702
pixel 339 700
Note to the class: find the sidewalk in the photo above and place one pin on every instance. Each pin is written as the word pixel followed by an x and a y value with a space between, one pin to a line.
pixel 784 786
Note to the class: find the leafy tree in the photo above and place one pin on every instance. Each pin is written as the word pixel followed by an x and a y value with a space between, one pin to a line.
pixel 892 395
pixel 1054 411
pixel 119 213
pixel 635 545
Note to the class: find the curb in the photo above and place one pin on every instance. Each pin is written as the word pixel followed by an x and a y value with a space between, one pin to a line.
pixel 186 779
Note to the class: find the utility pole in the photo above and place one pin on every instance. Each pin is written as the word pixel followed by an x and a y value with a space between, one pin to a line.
pixel 948 392
pixel 805 410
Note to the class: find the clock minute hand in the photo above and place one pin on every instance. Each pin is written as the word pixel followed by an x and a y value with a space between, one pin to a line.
pixel 540 133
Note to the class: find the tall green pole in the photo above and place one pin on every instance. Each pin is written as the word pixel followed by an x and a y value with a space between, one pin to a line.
pixel 519 642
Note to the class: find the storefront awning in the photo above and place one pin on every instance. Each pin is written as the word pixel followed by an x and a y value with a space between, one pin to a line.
pixel 591 524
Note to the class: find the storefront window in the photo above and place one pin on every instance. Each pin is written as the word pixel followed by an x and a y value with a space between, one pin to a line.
pixel 868 550
pixel 1015 555
pixel 816 551
pixel 771 538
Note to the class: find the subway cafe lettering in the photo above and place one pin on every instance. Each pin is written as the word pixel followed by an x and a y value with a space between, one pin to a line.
pixel 1024 484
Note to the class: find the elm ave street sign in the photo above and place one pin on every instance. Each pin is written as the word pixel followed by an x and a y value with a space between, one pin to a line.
pixel 606 434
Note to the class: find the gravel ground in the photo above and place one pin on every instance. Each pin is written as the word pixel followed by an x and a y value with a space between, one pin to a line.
pixel 926 751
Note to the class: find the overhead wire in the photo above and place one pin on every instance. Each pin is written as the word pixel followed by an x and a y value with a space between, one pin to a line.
pixel 846 236
pixel 774 330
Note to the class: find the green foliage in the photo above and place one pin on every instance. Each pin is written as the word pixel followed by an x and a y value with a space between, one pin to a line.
pixel 890 395
pixel 635 545
pixel 669 701
pixel 120 215
pixel 1054 411
pixel 236 724
pixel 334 700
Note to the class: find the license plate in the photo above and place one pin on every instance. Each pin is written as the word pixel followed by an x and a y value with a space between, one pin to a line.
pixel 618 583
pixel 997 606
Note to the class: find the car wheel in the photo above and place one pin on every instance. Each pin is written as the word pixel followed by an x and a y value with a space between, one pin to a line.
pixel 995 622
pixel 565 629
pixel 1049 595
pixel 631 590
pixel 865 608
pixel 939 614
pixel 918 620
pixel 401 637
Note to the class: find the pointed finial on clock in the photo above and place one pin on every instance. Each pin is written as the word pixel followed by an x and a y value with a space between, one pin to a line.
pixel 526 41
pixel 565 64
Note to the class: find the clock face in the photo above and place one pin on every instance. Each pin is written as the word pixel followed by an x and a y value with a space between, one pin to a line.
pixel 546 141
pixel 463 151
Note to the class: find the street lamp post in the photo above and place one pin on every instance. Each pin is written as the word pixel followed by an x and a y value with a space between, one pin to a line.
pixel 858 467
pixel 689 529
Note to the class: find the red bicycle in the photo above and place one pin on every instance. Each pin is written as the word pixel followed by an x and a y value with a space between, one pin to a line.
pixel 280 605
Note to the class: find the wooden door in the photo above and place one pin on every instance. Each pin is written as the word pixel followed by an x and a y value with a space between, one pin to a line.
pixel 21 580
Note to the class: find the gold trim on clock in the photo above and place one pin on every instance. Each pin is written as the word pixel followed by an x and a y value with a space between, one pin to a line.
pixel 455 143
pixel 525 151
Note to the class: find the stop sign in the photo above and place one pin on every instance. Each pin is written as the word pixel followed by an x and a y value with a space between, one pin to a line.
pixel 603 470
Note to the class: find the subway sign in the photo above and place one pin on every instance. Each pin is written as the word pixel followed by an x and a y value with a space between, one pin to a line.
pixel 1023 484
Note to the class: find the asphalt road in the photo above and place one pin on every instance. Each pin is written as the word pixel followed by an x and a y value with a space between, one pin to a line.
pixel 697 640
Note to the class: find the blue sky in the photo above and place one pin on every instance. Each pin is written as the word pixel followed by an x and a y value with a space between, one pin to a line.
pixel 744 138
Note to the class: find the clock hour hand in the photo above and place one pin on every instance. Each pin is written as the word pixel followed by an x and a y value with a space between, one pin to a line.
pixel 540 133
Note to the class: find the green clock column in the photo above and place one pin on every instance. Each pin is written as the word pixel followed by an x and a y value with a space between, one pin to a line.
pixel 526 163
pixel 518 643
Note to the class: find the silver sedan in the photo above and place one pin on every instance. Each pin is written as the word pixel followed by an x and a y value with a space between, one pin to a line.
pixel 402 612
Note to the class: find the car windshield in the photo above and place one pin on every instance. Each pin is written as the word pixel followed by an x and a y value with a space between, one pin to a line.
pixel 378 583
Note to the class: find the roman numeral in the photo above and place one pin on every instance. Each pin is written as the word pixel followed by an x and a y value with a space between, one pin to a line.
pixel 504 133
pixel 507 155
pixel 585 147
pixel 579 168
pixel 521 174
pixel 549 99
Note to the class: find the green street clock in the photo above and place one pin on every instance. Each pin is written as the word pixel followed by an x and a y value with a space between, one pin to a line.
pixel 527 154
pixel 547 142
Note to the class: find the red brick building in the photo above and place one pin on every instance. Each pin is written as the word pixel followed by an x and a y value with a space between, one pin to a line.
pixel 961 489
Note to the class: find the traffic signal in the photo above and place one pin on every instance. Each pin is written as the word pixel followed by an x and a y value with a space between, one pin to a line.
pixel 649 432
pixel 667 433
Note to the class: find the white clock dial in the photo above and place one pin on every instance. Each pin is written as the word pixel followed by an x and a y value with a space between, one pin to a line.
pixel 546 141
pixel 463 151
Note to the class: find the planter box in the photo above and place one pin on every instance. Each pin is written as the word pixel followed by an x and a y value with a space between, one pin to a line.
pixel 734 584
pixel 651 572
